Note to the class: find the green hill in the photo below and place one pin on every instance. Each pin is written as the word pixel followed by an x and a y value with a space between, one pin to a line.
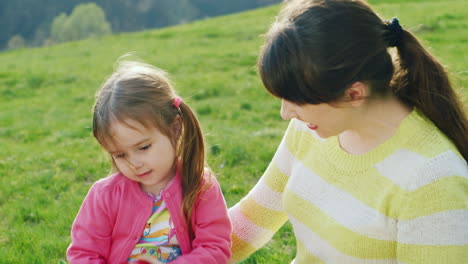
pixel 48 159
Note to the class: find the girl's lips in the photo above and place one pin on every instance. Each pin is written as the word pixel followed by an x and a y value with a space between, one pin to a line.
pixel 144 174
pixel 311 126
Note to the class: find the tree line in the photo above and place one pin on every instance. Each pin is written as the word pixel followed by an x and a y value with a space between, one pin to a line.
pixel 31 22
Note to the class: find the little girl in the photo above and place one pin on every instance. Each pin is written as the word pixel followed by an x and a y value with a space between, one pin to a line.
pixel 161 202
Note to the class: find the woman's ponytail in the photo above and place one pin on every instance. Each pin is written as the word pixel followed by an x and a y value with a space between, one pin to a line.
pixel 421 81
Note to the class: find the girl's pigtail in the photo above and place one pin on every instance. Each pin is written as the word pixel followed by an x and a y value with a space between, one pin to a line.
pixel 192 153
pixel 421 81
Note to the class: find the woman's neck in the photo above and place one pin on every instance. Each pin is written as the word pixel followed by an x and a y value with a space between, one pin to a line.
pixel 377 122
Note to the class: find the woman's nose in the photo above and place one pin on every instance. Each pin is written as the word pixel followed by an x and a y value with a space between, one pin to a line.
pixel 287 110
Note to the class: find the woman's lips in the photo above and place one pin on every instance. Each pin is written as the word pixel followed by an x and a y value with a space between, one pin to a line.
pixel 311 126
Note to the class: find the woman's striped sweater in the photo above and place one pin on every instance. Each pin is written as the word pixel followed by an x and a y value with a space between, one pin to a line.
pixel 404 202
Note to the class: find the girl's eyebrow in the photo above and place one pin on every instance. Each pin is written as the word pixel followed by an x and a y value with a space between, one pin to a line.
pixel 134 145
pixel 141 141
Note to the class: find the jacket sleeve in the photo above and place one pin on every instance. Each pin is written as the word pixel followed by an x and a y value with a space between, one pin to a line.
pixel 212 228
pixel 91 231
pixel 260 214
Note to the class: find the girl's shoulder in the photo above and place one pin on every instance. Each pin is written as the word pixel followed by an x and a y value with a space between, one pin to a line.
pixel 208 179
pixel 209 183
pixel 116 189
pixel 111 179
pixel 111 183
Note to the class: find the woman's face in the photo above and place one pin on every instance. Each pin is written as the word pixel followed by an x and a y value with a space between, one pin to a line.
pixel 325 119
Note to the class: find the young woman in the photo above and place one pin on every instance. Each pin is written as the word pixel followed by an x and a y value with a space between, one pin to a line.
pixel 372 168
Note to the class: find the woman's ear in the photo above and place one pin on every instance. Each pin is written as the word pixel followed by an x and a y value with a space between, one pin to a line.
pixel 177 127
pixel 356 94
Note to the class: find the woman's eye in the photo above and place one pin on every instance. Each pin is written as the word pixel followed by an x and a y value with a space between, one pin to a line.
pixel 145 147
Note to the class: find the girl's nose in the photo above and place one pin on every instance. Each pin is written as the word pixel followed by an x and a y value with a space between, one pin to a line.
pixel 135 163
pixel 287 110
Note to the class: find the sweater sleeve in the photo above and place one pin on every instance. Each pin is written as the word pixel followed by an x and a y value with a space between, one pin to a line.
pixel 91 231
pixel 212 228
pixel 433 225
pixel 259 215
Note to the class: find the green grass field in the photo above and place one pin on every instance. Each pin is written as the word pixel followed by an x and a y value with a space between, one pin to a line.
pixel 48 159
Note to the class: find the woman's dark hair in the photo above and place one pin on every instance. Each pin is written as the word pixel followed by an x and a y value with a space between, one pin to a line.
pixel 316 49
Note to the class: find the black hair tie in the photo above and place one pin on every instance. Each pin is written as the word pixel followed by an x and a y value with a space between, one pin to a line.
pixel 393 33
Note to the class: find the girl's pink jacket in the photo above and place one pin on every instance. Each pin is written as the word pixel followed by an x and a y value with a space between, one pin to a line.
pixel 114 213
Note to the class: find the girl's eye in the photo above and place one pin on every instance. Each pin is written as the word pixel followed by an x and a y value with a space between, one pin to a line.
pixel 145 147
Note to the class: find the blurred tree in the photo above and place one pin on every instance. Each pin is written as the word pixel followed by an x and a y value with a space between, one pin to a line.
pixel 170 12
pixel 22 17
pixel 32 19
pixel 16 42
pixel 133 15
pixel 220 7
pixel 58 29
pixel 41 36
pixel 86 20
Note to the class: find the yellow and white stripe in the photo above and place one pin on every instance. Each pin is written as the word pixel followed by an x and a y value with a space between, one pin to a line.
pixel 319 248
pixel 412 171
pixel 408 205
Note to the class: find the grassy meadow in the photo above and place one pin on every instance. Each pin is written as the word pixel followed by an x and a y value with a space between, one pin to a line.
pixel 48 158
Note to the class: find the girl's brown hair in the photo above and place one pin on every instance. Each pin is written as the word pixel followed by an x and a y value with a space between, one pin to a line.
pixel 143 93
pixel 317 49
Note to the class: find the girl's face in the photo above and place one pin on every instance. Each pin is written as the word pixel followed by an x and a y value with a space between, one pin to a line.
pixel 144 155
pixel 325 119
